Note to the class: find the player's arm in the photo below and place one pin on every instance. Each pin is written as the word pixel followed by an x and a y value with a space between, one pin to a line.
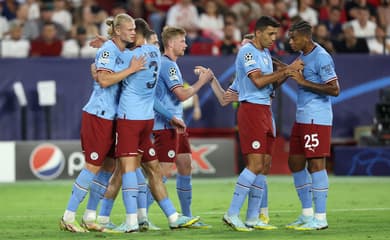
pixel 178 123
pixel 279 64
pixel 197 111
pixel 224 97
pixel 331 87
pixel 260 80
pixel 184 93
pixel 108 78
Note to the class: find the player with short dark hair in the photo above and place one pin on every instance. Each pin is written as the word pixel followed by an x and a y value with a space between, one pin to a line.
pixel 311 133
pixel 255 78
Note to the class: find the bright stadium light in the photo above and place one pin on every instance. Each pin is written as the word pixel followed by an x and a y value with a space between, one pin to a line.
pixel 47 99
pixel 46 93
pixel 20 94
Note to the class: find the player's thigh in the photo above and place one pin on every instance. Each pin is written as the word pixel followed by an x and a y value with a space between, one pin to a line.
pixel 166 142
pixel 97 137
pixel 255 127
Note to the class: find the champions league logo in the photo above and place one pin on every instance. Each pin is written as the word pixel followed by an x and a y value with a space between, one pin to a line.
pixel 103 59
pixel 47 161
pixel 173 74
pixel 248 57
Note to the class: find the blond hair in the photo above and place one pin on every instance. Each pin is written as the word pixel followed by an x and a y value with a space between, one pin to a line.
pixel 171 32
pixel 115 22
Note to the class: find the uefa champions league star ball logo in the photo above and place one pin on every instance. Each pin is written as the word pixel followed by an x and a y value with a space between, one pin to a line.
pixel 47 161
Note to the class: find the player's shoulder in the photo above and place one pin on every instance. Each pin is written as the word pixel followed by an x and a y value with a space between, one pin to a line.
pixel 321 52
pixel 167 62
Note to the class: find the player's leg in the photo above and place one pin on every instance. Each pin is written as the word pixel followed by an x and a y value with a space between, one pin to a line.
pixel 165 145
pixel 264 213
pixel 320 193
pixel 128 138
pixel 318 147
pixel 97 191
pixel 252 135
pixel 256 164
pixel 107 202
pixel 92 128
pixel 302 179
pixel 154 172
pixel 184 181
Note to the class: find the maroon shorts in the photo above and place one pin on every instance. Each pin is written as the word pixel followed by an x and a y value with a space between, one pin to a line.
pixel 310 140
pixel 133 138
pixel 255 128
pixel 169 143
pixel 97 138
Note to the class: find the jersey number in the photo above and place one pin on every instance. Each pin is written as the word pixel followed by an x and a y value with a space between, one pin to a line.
pixel 311 140
pixel 154 66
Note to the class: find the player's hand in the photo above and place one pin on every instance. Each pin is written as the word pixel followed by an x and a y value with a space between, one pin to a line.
pixel 178 124
pixel 94 72
pixel 206 76
pixel 137 64
pixel 230 97
pixel 297 65
pixel 298 77
pixel 98 41
pixel 199 69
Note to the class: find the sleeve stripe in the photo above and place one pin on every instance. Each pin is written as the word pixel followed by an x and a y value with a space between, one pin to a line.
pixel 175 86
pixel 254 70
pixel 232 90
pixel 105 69
pixel 332 79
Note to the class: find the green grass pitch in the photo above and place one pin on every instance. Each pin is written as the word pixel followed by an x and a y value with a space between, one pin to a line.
pixel 358 208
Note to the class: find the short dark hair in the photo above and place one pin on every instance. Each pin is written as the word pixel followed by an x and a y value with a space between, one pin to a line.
pixel 302 27
pixel 141 27
pixel 266 21
pixel 149 34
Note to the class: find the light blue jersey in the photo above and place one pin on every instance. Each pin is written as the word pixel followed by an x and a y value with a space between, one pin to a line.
pixel 314 107
pixel 250 59
pixel 234 87
pixel 103 102
pixel 170 78
pixel 138 89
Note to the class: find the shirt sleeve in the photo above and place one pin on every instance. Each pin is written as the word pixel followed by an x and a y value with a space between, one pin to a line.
pixel 326 68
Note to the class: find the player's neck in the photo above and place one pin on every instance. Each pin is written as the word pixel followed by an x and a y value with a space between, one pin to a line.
pixel 171 55
pixel 258 45
pixel 308 48
pixel 119 43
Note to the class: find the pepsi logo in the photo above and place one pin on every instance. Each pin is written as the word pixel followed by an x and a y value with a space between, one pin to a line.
pixel 47 161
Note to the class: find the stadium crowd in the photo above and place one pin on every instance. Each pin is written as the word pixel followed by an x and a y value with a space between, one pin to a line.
pixel 64 28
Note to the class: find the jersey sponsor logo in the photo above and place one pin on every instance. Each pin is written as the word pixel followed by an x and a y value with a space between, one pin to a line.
pixel 171 153
pixel 94 156
pixel 248 58
pixel 173 74
pixel 256 144
pixel 47 161
pixel 103 59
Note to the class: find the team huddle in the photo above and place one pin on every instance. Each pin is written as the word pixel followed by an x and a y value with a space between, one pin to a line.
pixel 138 93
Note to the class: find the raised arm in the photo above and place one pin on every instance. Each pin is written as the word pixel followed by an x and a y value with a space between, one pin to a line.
pixel 107 78
pixel 260 80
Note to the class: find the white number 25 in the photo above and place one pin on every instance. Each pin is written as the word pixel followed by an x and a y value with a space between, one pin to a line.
pixel 311 140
